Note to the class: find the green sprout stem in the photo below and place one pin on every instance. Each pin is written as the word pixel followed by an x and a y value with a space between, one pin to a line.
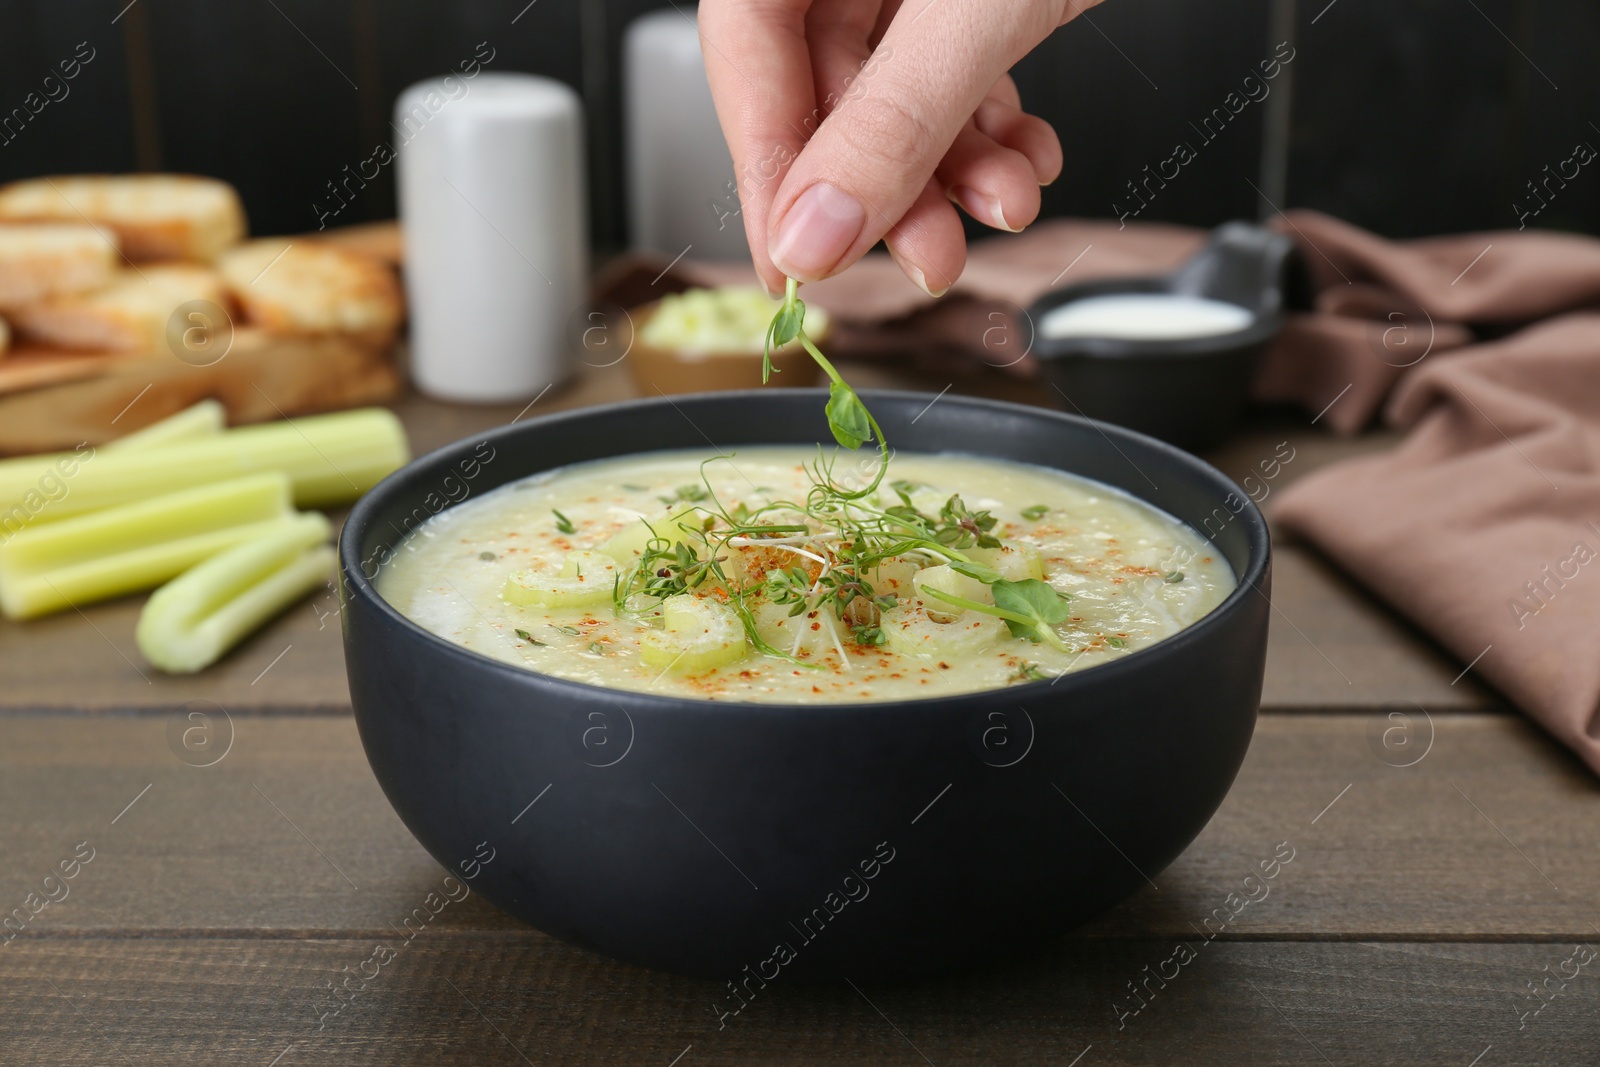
pixel 792 315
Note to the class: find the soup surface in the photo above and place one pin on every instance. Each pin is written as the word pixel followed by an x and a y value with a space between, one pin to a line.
pixel 589 573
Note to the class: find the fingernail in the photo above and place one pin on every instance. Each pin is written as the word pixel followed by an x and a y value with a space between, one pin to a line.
pixel 817 231
pixel 915 274
pixel 922 283
pixel 984 208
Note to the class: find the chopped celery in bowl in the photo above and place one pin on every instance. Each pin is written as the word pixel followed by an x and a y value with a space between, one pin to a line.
pixel 729 319
pixel 706 340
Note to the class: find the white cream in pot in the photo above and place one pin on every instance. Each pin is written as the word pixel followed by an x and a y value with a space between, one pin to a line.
pixel 1144 317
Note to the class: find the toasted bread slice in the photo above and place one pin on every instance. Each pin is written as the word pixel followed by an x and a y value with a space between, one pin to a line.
pixel 155 216
pixel 38 262
pixel 130 313
pixel 305 287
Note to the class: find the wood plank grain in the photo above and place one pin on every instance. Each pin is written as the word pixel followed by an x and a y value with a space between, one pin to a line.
pixel 1560 38
pixel 267 97
pixel 1492 833
pixel 417 39
pixel 55 125
pixel 489 1001
pixel 1333 644
pixel 1123 97
pixel 1357 155
pixel 1334 647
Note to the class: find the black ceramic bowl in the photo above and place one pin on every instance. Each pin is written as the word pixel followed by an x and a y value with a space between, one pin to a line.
pixel 1188 391
pixel 864 840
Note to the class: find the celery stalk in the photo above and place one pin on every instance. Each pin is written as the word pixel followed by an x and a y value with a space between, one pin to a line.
pixel 191 621
pixel 330 459
pixel 136 546
pixel 204 419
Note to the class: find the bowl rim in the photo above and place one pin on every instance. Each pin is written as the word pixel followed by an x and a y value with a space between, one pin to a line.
pixel 355 584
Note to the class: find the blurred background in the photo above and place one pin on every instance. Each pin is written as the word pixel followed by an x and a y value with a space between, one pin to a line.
pixel 1408 119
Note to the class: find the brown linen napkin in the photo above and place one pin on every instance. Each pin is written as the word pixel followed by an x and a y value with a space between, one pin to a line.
pixel 1383 306
pixel 1484 525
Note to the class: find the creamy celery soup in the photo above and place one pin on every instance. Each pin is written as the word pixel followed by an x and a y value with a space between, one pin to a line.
pixel 761 576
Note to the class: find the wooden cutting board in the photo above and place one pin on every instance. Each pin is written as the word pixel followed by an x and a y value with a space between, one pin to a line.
pixel 56 401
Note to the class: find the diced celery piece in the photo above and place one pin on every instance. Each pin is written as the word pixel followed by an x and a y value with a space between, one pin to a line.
pixel 697 635
pixel 579 580
pixel 910 630
pixel 628 543
pixel 946 580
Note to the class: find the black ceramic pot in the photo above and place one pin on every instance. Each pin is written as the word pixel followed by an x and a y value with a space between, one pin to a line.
pixel 866 840
pixel 1188 391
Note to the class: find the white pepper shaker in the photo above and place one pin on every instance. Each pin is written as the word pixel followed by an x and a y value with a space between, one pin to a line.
pixel 681 189
pixel 490 183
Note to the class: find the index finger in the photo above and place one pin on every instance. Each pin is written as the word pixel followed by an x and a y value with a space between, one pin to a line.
pixel 759 68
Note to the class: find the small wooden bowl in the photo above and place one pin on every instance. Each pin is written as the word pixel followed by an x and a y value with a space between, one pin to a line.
pixel 681 371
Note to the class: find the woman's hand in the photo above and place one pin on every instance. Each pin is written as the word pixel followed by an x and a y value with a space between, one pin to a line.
pixel 852 121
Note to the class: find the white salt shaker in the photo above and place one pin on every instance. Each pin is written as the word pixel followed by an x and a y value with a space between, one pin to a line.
pixel 681 189
pixel 490 182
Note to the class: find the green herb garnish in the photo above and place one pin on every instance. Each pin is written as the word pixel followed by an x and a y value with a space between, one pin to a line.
pixel 1040 605
pixel 570 631
pixel 1173 577
pixel 848 418
pixel 563 523
pixel 961 528
pixel 1028 671
pixel 869 635
pixel 526 636
pixel 986 575
pixel 1116 642
pixel 1035 513
pixel 692 494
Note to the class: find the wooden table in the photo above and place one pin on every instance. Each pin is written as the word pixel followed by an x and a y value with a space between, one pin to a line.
pixel 1441 872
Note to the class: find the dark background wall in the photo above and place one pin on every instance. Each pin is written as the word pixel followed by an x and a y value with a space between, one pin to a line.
pixel 1416 117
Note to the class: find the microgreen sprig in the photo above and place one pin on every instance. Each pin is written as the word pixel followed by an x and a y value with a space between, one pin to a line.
pixel 848 418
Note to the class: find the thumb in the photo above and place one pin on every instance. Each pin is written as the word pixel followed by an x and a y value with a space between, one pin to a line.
pixel 873 155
